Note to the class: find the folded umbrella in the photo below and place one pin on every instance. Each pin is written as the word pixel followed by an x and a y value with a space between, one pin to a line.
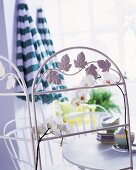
pixel 31 53
pixel 45 34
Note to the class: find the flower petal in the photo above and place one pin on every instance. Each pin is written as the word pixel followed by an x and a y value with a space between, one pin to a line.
pixel 2 70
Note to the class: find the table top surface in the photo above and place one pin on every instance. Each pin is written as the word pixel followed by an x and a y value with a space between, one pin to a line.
pixel 87 152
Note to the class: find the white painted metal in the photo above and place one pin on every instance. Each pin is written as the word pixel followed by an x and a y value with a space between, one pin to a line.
pixel 83 126
pixel 10 136
pixel 121 85
pixel 16 147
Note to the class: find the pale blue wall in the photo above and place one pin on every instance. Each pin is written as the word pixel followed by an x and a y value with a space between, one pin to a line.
pixel 6 49
pixel 8 18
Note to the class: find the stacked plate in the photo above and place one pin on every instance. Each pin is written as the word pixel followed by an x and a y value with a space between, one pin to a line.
pixel 105 137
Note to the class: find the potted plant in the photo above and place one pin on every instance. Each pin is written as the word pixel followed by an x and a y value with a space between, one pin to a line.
pixel 99 97
pixel 103 98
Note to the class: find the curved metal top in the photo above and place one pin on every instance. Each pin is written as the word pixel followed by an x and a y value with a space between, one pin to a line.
pixel 108 61
pixel 12 78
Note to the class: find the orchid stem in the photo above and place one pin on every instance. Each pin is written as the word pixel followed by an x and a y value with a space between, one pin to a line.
pixel 61 143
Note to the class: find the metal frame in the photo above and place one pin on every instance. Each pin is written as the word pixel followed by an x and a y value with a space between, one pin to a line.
pixel 18 78
pixel 89 115
pixel 121 85
pixel 11 137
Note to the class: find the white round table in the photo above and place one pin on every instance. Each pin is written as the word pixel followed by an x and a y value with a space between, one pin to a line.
pixel 87 153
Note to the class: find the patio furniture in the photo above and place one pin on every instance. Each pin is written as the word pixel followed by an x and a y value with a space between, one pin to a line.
pixel 10 76
pixel 83 68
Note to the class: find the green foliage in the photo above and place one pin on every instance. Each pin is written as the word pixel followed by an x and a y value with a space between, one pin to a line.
pixel 103 97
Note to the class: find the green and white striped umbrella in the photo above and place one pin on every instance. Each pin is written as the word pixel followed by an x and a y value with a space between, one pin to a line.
pixel 31 52
pixel 44 32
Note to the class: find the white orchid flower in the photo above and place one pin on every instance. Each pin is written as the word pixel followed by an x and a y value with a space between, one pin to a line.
pixel 63 127
pixel 2 70
pixel 56 127
pixel 49 122
pixel 76 102
pixel 82 95
pixel 108 78
pixel 54 124
pixel 41 128
pixel 88 81
pixel 10 82
pixel 57 133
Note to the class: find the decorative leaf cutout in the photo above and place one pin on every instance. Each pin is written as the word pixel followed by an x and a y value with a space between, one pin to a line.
pixel 10 82
pixel 91 70
pixel 53 77
pixel 80 62
pixel 104 65
pixel 65 63
pixel 2 70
